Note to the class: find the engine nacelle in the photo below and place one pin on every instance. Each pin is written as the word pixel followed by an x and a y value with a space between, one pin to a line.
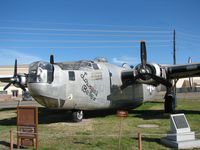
pixel 151 68
pixel 20 79
pixel 23 79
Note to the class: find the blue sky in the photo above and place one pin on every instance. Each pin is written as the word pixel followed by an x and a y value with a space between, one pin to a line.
pixel 77 29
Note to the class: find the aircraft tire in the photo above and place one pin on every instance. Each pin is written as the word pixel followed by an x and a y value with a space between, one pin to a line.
pixel 169 105
pixel 77 116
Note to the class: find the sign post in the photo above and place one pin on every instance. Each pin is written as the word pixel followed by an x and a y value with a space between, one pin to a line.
pixel 121 114
pixel 27 126
pixel 11 139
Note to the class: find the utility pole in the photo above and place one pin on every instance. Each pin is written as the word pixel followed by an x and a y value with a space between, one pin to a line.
pixel 174 47
pixel 174 59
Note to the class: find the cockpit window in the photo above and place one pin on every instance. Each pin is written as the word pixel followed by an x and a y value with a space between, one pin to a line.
pixel 41 72
pixel 71 76
pixel 80 65
pixel 95 66
pixel 32 76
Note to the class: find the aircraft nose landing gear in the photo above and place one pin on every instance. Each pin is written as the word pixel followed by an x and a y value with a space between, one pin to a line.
pixel 77 115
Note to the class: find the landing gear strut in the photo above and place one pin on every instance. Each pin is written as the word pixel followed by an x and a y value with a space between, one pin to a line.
pixel 77 115
pixel 170 102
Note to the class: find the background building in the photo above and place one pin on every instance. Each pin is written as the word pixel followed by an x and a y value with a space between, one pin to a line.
pixel 12 91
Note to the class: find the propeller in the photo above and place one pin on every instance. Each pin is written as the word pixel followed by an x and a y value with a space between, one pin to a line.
pixel 143 72
pixel 16 80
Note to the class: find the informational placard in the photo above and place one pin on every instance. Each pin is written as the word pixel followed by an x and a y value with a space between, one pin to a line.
pixel 27 126
pixel 180 136
pixel 179 123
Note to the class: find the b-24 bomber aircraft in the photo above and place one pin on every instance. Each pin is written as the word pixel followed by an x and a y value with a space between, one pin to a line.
pixel 92 85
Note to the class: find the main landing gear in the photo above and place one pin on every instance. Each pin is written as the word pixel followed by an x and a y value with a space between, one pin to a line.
pixel 77 115
pixel 170 102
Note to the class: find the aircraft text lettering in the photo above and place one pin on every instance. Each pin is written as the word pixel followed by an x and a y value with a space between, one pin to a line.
pixel 88 89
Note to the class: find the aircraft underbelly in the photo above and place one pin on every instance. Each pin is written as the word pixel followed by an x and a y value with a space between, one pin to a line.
pixel 126 99
pixel 130 97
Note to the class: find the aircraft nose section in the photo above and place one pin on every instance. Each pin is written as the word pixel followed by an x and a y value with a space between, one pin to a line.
pixel 41 94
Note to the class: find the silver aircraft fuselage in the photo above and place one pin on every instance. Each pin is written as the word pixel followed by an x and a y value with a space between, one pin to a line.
pixel 83 85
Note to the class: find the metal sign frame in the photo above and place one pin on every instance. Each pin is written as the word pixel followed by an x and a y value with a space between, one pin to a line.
pixel 174 126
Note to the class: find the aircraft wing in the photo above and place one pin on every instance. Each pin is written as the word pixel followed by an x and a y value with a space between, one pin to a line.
pixel 5 78
pixel 155 74
pixel 183 71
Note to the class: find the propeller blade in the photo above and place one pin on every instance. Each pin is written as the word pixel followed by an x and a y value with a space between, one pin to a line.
pixel 160 80
pixel 143 54
pixel 51 59
pixel 7 86
pixel 15 68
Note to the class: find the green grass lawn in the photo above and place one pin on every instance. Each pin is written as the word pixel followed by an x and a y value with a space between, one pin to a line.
pixel 100 129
